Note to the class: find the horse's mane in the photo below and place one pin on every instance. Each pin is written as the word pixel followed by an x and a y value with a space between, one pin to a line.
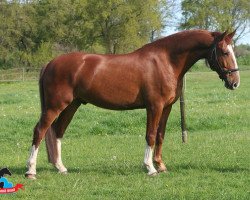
pixel 184 39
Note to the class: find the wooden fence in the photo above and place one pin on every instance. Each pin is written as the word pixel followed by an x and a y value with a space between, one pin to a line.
pixel 19 74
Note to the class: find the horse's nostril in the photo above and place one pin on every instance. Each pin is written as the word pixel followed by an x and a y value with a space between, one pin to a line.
pixel 235 85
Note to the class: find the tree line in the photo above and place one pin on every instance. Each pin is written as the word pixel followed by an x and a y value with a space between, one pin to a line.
pixel 32 32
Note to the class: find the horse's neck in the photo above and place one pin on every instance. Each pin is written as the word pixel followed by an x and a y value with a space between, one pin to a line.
pixel 185 51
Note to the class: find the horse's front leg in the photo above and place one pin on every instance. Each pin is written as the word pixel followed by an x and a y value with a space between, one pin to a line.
pixel 159 140
pixel 154 113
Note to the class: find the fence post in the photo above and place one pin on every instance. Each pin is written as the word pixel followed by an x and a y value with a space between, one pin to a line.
pixel 183 114
pixel 23 73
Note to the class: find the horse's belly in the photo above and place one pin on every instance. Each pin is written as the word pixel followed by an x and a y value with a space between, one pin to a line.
pixel 117 106
pixel 117 97
pixel 112 102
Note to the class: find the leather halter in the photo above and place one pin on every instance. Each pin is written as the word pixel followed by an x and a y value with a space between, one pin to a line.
pixel 217 66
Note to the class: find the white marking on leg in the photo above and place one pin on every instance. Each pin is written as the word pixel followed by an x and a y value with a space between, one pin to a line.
pixel 148 160
pixel 59 165
pixel 32 161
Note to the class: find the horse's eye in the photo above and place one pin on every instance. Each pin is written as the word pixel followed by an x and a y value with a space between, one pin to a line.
pixel 226 53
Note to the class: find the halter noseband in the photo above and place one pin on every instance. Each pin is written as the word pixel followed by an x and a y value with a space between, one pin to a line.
pixel 217 66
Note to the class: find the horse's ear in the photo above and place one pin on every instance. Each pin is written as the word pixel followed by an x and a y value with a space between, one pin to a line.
pixel 229 37
pixel 219 40
pixel 222 36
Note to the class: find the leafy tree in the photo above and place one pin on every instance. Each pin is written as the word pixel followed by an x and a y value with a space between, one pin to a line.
pixel 216 15
pixel 121 26
pixel 16 31
pixel 109 26
pixel 34 31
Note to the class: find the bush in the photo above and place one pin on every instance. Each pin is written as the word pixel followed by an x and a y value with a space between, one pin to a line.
pixel 244 60
pixel 243 54
pixel 43 54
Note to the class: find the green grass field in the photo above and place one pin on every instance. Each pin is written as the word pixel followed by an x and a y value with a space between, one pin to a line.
pixel 103 150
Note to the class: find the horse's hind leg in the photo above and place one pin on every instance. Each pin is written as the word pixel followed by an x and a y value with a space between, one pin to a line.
pixel 40 130
pixel 53 138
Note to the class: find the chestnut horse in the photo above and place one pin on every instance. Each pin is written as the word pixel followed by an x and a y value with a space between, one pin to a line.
pixel 150 78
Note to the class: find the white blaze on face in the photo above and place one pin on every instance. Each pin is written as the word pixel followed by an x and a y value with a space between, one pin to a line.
pixel 230 49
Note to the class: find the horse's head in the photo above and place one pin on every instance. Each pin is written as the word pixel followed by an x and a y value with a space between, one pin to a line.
pixel 222 60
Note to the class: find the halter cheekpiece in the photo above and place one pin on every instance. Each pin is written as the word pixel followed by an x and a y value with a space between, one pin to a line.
pixel 216 65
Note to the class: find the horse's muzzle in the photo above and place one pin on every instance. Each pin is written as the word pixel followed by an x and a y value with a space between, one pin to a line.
pixel 231 86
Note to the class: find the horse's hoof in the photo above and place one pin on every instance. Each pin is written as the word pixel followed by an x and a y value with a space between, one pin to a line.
pixel 162 171
pixel 161 168
pixel 30 176
pixel 64 173
pixel 152 174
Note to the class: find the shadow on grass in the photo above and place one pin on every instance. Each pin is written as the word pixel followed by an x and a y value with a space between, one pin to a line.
pixel 21 170
pixel 226 169
pixel 230 169
pixel 125 169
pixel 108 170
pixel 117 169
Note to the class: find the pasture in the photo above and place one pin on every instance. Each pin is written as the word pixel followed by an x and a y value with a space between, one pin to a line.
pixel 103 150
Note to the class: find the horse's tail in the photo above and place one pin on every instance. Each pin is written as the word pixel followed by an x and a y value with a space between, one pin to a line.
pixel 51 144
pixel 50 136
pixel 41 89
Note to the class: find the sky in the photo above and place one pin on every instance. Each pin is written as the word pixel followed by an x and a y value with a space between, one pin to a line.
pixel 245 39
